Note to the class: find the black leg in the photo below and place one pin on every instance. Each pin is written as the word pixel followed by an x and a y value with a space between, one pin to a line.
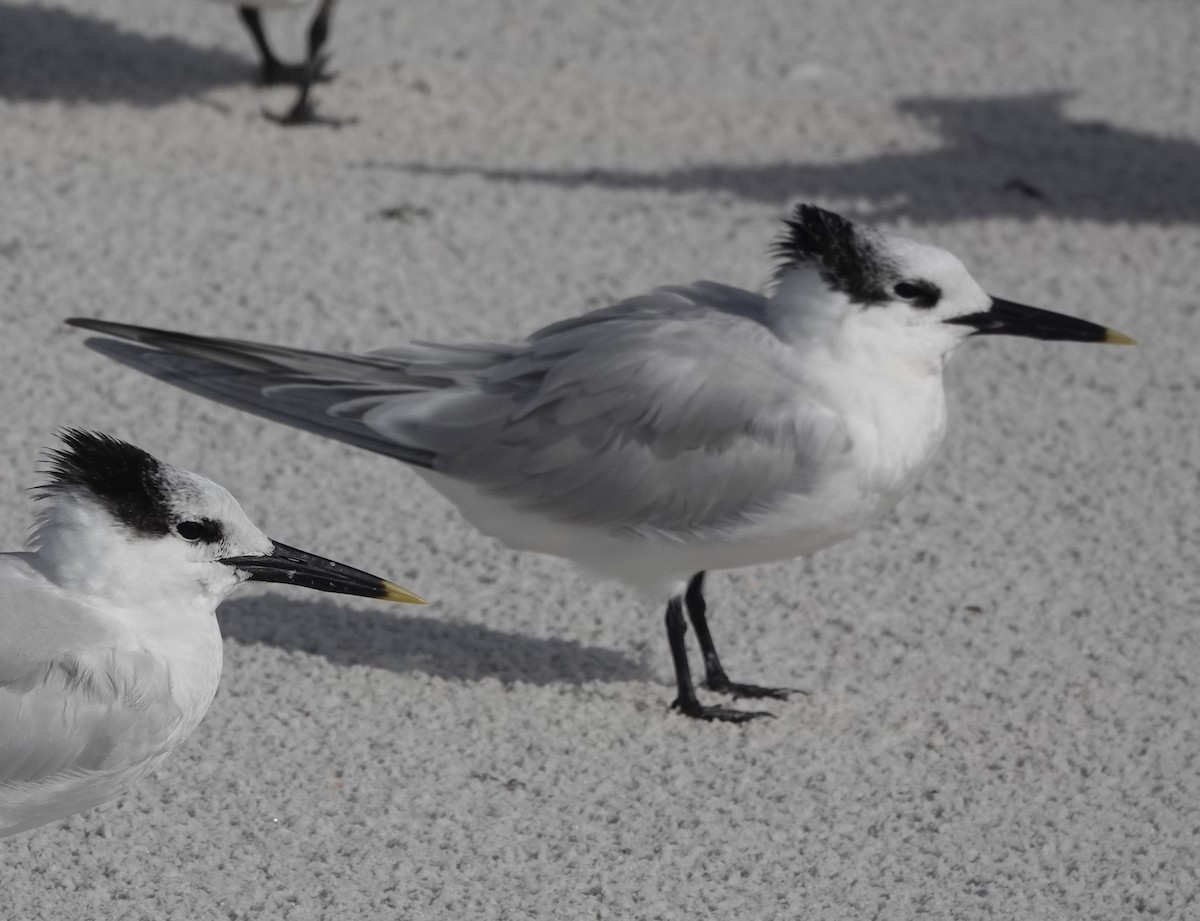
pixel 715 678
pixel 271 70
pixel 252 20
pixel 686 703
pixel 312 71
pixel 318 30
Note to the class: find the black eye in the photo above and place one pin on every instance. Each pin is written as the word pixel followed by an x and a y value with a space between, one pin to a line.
pixel 191 530
pixel 919 293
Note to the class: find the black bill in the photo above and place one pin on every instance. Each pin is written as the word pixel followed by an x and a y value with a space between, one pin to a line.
pixel 1006 318
pixel 298 567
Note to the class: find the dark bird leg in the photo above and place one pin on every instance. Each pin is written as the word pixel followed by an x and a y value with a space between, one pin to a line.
pixel 686 703
pixel 715 678
pixel 273 71
pixel 302 111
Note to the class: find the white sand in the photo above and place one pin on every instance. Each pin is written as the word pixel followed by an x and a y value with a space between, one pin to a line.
pixel 1003 720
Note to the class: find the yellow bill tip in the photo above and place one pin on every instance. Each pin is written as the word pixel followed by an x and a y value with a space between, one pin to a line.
pixel 397 593
pixel 1112 337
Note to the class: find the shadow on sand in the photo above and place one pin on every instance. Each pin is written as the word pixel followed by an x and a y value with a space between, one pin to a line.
pixel 49 54
pixel 1017 156
pixel 382 637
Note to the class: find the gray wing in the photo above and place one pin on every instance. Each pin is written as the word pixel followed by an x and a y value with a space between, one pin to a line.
pixel 70 701
pixel 675 412
pixel 266 380
pixel 678 410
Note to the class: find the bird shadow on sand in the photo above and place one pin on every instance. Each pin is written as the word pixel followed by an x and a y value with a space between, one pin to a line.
pixel 1009 156
pixel 49 54
pixel 403 642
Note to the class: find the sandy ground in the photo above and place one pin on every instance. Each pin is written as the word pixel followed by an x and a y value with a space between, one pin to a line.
pixel 1003 718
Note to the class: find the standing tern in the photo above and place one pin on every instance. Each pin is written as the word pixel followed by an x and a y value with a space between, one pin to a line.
pixel 110 651
pixel 691 428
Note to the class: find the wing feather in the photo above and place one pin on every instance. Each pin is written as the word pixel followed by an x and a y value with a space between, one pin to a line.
pixel 674 411
pixel 71 700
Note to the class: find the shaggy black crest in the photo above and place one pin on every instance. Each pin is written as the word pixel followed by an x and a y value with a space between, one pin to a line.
pixel 847 256
pixel 126 479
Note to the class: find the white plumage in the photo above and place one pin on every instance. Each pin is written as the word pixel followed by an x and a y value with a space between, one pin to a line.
pixel 110 652
pixel 691 428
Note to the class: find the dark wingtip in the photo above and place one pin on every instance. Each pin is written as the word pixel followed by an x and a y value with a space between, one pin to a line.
pixel 97 326
pixel 120 330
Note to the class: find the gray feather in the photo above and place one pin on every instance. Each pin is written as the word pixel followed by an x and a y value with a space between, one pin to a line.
pixel 70 701
pixel 678 410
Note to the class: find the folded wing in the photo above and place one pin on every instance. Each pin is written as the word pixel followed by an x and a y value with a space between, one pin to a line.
pixel 675 411
pixel 77 714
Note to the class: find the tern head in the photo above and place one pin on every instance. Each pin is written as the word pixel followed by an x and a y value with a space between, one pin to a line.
pixel 854 285
pixel 123 525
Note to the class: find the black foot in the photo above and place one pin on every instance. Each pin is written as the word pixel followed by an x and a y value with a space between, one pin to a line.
pixel 276 73
pixel 304 114
pixel 698 711
pixel 750 691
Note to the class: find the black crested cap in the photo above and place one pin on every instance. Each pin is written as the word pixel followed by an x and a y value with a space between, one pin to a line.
pixel 847 255
pixel 128 481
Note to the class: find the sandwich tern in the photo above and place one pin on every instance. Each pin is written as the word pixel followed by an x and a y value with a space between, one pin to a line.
pixel 110 651
pixel 688 429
